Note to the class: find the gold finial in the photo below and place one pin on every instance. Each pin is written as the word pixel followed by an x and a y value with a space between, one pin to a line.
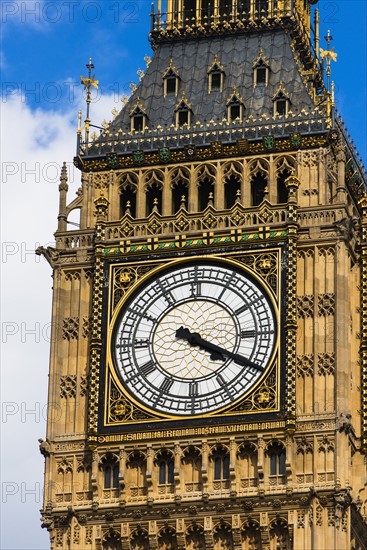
pixel 88 82
pixel 147 60
pixel 329 55
pixel 238 195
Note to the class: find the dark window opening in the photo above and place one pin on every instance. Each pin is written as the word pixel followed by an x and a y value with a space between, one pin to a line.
pixel 183 118
pixel 225 7
pixel 216 81
pixel 281 107
pixel 282 189
pixel 206 187
pixel 244 6
pixel 171 85
pixel 221 467
pixel 179 191
pixel 128 202
pixel 261 75
pixel 234 112
pixel 138 123
pixel 190 9
pixel 207 8
pixel 154 198
pixel 258 186
pixel 262 7
pixel 111 476
pixel 231 188
pixel 166 472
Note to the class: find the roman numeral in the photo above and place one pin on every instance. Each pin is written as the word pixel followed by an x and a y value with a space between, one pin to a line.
pixel 166 385
pixel 140 343
pixel 147 368
pixel 248 333
pixel 193 389
pixel 242 309
pixel 221 380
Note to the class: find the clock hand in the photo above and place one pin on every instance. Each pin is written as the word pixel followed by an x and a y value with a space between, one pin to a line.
pixel 216 352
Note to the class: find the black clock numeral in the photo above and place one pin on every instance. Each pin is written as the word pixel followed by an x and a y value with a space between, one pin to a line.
pixel 242 309
pixel 166 385
pixel 193 389
pixel 221 380
pixel 248 333
pixel 147 369
pixel 142 343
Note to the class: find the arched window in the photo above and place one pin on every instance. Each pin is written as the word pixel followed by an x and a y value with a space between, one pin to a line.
pixel 222 536
pixel 195 537
pixel 258 188
pixel 166 466
pixel 139 540
pixel 215 76
pixel 232 190
pixel 220 458
pixel 206 193
pixel 135 476
pixel 191 466
pixel 138 118
pixel 247 463
pixel 281 187
pixel 110 467
pixel 277 462
pixel 128 200
pixel 154 198
pixel 112 541
pixel 180 195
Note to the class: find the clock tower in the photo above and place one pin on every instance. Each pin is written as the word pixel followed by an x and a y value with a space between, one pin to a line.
pixel 208 371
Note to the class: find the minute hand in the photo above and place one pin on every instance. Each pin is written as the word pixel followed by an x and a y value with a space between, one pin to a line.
pixel 194 339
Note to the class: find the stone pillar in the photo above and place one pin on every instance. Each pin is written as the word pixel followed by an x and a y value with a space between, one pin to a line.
pixel 177 458
pixel 219 188
pixel 166 195
pixel 246 186
pixel 122 468
pixel 193 192
pixel 272 183
pixel 204 465
pixel 140 198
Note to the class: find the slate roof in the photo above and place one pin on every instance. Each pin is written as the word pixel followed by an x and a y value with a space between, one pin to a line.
pixel 236 53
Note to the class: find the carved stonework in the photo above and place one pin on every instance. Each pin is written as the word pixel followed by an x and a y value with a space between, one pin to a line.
pixel 326 363
pixel 305 306
pixel 70 328
pixel 326 304
pixel 305 365
pixel 68 386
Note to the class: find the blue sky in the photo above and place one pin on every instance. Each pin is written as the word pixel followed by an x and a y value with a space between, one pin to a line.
pixel 45 45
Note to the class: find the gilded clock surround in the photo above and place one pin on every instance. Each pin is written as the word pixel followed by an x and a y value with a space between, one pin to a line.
pixel 120 410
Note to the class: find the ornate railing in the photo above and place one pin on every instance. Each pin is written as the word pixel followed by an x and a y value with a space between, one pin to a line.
pixel 204 133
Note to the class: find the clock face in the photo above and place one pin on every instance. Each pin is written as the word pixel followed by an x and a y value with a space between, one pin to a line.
pixel 194 339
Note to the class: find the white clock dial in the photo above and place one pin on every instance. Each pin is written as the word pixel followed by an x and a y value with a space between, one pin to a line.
pixel 194 338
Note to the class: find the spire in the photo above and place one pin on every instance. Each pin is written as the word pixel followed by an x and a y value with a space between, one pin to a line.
pixel 88 82
pixel 63 189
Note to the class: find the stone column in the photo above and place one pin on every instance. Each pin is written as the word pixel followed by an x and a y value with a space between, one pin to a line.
pixel 140 198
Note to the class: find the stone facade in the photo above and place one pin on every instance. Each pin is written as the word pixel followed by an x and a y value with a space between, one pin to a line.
pixel 289 477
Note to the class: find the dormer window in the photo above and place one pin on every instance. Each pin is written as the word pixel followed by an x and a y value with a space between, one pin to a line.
pixel 235 107
pixel 183 117
pixel 138 118
pixel 138 123
pixel 281 102
pixel 215 76
pixel 171 80
pixel 261 70
pixel 183 112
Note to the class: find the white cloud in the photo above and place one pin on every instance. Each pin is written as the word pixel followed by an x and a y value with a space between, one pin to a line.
pixel 34 145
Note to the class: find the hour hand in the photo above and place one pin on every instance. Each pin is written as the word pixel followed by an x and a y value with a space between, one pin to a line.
pixel 194 339
pixel 216 352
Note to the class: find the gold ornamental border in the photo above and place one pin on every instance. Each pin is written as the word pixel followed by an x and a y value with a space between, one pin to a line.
pixel 120 408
